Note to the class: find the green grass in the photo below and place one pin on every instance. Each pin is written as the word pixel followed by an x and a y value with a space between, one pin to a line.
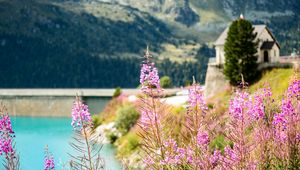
pixel 277 79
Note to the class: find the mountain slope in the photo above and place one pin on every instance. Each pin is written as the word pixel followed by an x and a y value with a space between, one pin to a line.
pixel 98 43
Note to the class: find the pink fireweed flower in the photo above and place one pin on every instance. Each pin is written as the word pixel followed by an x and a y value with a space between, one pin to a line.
pixel 267 92
pixel 6 135
pixel 280 135
pixel 287 110
pixel 238 105
pixel 171 143
pixel 171 153
pixel 251 165
pixel 180 155
pixel 80 115
pixel 149 119
pixel 214 159
pixel 196 97
pixel 279 119
pixel 202 139
pixel 49 163
pixel 6 146
pixel 294 89
pixel 230 157
pixel 287 107
pixel 298 138
pixel 5 124
pixel 257 108
pixel 190 154
pixel 149 77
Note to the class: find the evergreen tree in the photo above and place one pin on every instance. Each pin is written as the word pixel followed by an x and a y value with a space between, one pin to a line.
pixel 240 52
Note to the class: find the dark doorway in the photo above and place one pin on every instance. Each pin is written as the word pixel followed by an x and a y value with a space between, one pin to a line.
pixel 266 56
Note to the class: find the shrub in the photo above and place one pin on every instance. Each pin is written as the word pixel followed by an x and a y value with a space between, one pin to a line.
pixel 117 92
pixel 126 118
pixel 112 137
pixel 97 121
pixel 165 82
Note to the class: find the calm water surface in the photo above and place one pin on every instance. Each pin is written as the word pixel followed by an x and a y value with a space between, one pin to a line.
pixel 33 134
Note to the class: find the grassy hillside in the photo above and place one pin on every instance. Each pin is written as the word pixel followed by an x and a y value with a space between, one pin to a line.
pixel 277 79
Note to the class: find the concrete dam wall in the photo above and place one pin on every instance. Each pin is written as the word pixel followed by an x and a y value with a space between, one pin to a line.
pixel 54 102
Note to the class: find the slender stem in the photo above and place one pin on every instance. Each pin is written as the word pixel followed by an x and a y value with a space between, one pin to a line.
pixel 156 125
pixel 87 144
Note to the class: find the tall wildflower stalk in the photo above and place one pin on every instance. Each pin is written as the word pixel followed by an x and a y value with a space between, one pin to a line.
pixel 163 152
pixel 197 150
pixel 7 145
pixel 88 150
pixel 287 129
pixel 152 111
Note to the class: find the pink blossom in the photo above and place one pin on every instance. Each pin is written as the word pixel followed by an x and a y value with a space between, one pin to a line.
pixel 257 108
pixel 190 155
pixel 180 155
pixel 196 97
pixel 49 163
pixel 294 89
pixel 149 119
pixel 251 165
pixel 6 135
pixel 279 119
pixel 6 146
pixel 287 110
pixel 149 77
pixel 214 159
pixel 5 124
pixel 171 143
pixel 202 139
pixel 280 135
pixel 287 107
pixel 238 104
pixel 80 115
pixel 267 92
pixel 230 157
pixel 298 138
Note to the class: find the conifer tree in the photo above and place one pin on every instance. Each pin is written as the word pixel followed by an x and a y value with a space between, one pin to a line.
pixel 240 52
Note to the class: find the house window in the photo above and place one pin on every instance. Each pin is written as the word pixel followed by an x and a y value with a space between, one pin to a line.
pixel 274 53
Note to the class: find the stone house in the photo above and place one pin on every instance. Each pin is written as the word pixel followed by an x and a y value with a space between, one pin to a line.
pixel 268 50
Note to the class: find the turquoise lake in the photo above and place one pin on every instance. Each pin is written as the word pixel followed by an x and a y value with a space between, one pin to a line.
pixel 33 134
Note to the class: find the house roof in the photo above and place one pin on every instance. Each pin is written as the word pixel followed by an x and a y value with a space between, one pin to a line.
pixel 267 45
pixel 257 29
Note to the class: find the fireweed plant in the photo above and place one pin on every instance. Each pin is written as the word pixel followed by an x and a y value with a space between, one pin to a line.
pixel 88 150
pixel 263 133
pixel 49 160
pixel 7 144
